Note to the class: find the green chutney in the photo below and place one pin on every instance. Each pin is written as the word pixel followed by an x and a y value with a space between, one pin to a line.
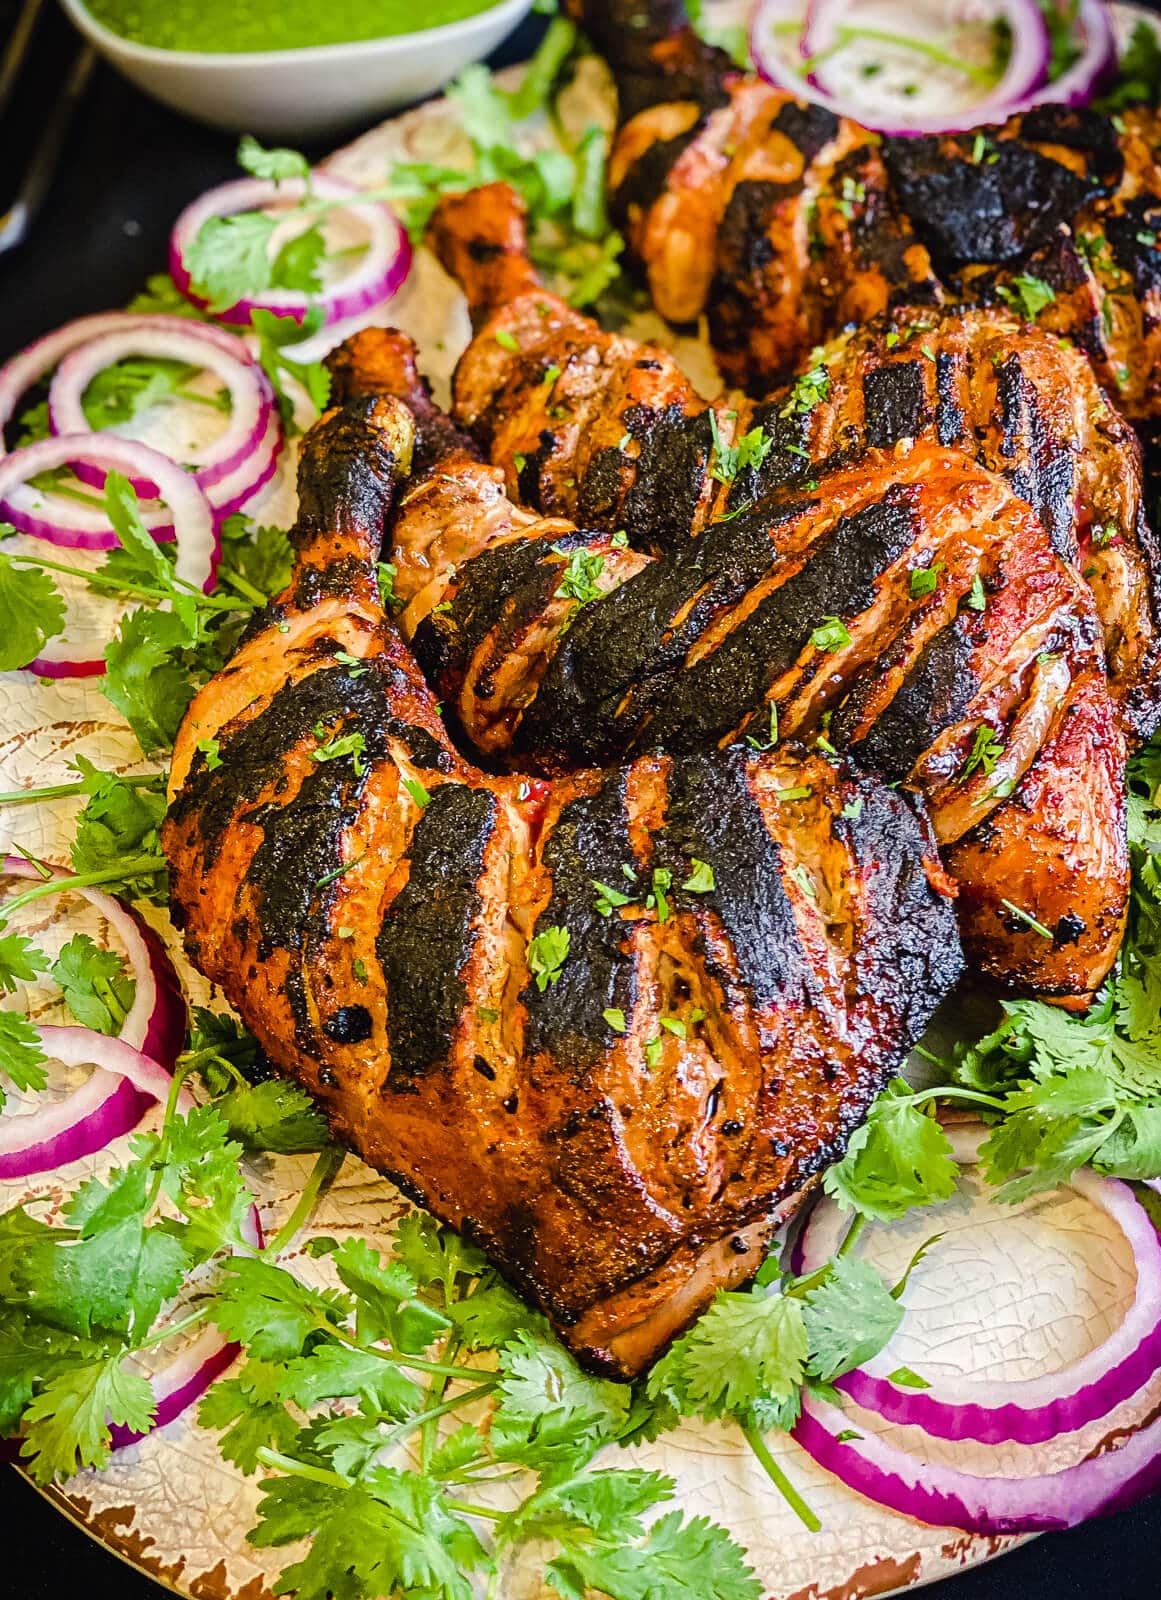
pixel 219 26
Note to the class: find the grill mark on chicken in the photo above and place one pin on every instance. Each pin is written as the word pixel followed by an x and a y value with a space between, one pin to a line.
pixel 713 816
pixel 936 694
pixel 608 1190
pixel 660 507
pixel 894 403
pixel 993 210
pixel 1008 394
pixel 590 843
pixel 838 579
pixel 428 930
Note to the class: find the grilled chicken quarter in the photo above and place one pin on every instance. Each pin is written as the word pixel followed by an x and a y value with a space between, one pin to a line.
pixel 611 1025
pixel 784 222
pixel 907 608
pixel 610 434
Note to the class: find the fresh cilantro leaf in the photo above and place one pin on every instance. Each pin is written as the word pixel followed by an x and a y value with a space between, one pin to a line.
pixel 20 961
pixel 31 1353
pixel 547 954
pixel 898 1159
pixel 849 1318
pixel 435 1255
pixel 269 1311
pixel 116 1275
pixel 831 634
pixel 492 1316
pixel 609 1504
pixel 746 1347
pixel 31 612
pixel 298 264
pixel 1138 72
pixel 67 1423
pixel 331 1371
pixel 21 1057
pixel 274 164
pixel 162 296
pixel 393 1533
pixel 274 1115
pixel 386 1299
pixel 120 824
pixel 260 556
pixel 976 598
pixel 95 986
pixel 701 878
pixel 549 1410
pixel 680 1559
pixel 274 334
pixel 144 677
pixel 247 1408
pixel 228 259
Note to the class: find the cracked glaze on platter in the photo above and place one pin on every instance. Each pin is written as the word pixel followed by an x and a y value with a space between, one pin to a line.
pixel 1009 1292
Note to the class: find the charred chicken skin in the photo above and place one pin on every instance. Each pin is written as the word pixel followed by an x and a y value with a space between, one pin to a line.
pixel 608 433
pixel 784 222
pixel 908 608
pixel 615 1090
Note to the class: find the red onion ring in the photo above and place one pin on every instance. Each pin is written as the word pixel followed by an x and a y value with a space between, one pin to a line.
pixel 36 360
pixel 67 1130
pixel 231 493
pixel 946 1498
pixel 107 1105
pixel 375 279
pixel 251 397
pixel 1026 69
pixel 1097 60
pixel 192 521
pixel 1028 1411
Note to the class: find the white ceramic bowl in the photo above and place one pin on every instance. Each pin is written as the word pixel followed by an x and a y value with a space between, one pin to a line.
pixel 304 94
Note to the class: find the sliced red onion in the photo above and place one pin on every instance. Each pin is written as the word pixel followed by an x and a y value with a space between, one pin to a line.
pixel 75 527
pixel 1097 60
pixel 378 275
pixel 251 397
pixel 108 1104
pixel 39 358
pixel 1029 1411
pixel 1026 69
pixel 92 1117
pixel 946 1498
pixel 231 493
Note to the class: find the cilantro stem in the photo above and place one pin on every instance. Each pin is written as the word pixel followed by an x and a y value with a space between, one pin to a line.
pixel 172 1330
pixel 243 585
pixel 423 1418
pixel 432 1407
pixel 125 872
pixel 301 1469
pixel 847 33
pixel 326 1169
pixel 141 591
pixel 950 1091
pixel 477 1511
pixel 803 1286
pixel 779 1479
pixel 61 791
pixel 399 1357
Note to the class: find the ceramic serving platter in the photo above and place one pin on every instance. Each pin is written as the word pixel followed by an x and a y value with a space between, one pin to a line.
pixel 1008 1292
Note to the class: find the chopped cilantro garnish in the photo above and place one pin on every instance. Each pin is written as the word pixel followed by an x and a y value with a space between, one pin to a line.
pixel 547 954
pixel 831 634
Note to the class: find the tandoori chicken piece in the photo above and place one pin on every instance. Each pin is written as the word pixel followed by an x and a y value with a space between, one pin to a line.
pixel 784 222
pixel 617 1094
pixel 608 433
pixel 907 607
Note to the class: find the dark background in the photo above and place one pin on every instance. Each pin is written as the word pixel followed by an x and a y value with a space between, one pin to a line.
pixel 128 169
